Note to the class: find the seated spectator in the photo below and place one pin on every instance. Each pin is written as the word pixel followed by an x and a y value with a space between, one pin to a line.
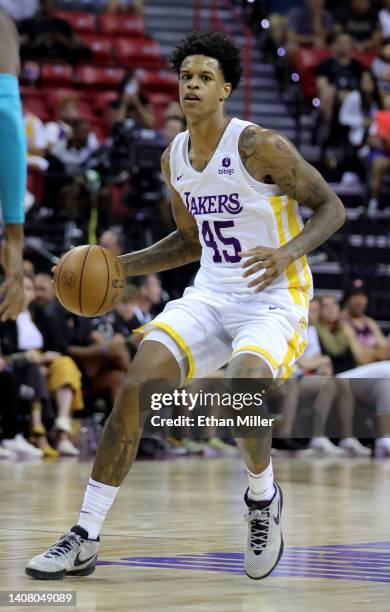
pixel 368 333
pixel 336 76
pixel 174 110
pixel 113 239
pixel 360 20
pixel 67 115
pixel 381 69
pixel 133 104
pixel 34 335
pixel 171 128
pixel 12 438
pixel 358 109
pixel 309 26
pixel 132 7
pixel 73 156
pixel 318 386
pixel 46 36
pixel 149 299
pixel 384 18
pixel 379 157
pixel 36 141
pixel 339 340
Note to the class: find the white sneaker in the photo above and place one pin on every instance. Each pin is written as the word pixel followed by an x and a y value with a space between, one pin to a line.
pixel 20 445
pixel 382 448
pixel 265 542
pixel 323 446
pixel 353 447
pixel 6 454
pixel 73 555
pixel 67 448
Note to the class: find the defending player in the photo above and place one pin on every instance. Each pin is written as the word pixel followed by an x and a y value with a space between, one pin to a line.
pixel 235 188
pixel 13 171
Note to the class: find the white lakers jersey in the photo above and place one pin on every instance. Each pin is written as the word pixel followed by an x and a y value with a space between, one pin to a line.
pixel 234 212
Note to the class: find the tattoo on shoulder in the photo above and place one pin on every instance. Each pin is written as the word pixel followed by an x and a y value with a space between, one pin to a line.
pixel 270 157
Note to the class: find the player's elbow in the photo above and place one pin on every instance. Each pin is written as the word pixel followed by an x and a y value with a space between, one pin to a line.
pixel 339 214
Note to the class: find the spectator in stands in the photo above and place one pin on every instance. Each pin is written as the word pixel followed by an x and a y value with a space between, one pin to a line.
pixel 124 313
pixel 381 69
pixel 44 291
pixel 336 76
pixel 360 20
pixel 368 333
pixel 72 157
pixel 114 240
pixel 309 26
pixel 172 127
pixel 36 141
pixel 12 439
pixel 19 10
pixel 339 340
pixel 173 110
pixel 379 157
pixel 318 386
pixel 134 104
pixel 358 109
pixel 384 18
pixel 132 7
pixel 47 36
pixel 67 115
pixel 149 299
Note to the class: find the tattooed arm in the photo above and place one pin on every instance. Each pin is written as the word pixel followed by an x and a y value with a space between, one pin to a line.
pixel 270 157
pixel 177 249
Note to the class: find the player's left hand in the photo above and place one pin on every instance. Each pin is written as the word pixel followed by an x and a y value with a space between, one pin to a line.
pixel 272 261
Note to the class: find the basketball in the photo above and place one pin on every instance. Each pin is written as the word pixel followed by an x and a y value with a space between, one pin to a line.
pixel 89 280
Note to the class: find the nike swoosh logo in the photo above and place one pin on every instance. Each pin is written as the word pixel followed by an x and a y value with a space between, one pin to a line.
pixel 179 177
pixel 273 307
pixel 277 518
pixel 78 561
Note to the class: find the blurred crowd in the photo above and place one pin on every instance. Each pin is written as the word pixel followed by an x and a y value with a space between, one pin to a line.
pixel 59 373
pixel 339 54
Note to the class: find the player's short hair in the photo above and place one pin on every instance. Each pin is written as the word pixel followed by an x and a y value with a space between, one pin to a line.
pixel 213 44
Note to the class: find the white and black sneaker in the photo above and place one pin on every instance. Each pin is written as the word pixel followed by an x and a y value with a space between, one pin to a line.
pixel 73 555
pixel 265 542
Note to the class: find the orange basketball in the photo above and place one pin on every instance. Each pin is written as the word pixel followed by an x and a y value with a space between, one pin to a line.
pixel 89 280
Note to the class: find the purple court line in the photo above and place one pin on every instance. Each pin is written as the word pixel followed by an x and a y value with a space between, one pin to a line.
pixel 311 563
pixel 277 573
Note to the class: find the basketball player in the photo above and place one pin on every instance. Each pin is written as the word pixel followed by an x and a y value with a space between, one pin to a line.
pixel 235 188
pixel 13 171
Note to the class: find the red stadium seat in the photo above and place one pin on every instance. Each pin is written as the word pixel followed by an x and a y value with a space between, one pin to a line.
pixel 57 74
pixel 36 107
pixel 145 53
pixel 306 61
pixel 92 76
pixel 101 48
pixel 366 57
pixel 121 25
pixel 161 81
pixel 102 100
pixel 81 22
pixel 160 100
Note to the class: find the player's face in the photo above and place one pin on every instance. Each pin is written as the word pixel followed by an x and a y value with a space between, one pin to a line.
pixel 202 87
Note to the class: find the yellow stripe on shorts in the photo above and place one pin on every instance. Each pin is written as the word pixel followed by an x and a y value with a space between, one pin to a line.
pixel 261 351
pixel 181 342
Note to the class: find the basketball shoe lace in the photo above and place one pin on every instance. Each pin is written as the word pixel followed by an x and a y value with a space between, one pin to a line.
pixel 67 543
pixel 259 524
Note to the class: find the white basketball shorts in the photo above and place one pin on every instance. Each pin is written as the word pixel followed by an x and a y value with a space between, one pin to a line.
pixel 205 329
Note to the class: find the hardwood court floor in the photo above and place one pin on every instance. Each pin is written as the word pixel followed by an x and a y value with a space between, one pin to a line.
pixel 174 539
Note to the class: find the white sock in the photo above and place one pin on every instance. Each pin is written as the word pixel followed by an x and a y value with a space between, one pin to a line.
pixel 98 499
pixel 261 486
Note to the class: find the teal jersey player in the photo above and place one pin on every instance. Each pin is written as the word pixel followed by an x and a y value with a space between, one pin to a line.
pixel 13 171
